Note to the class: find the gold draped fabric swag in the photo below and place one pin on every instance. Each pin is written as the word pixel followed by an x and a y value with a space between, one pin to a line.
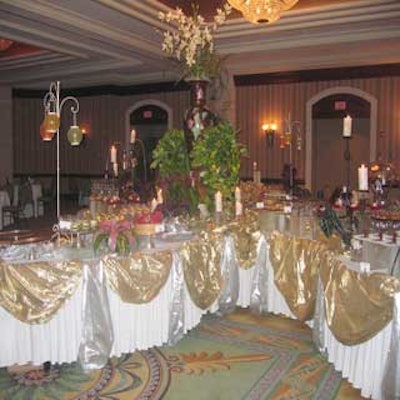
pixel 34 292
pixel 140 277
pixel 357 305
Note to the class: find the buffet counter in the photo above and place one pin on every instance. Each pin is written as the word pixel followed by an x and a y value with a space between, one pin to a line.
pixel 101 306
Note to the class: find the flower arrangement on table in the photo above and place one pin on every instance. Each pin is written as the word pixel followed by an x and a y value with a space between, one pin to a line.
pixel 189 41
pixel 116 235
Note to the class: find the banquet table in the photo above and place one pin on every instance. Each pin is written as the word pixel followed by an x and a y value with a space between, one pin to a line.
pixel 107 313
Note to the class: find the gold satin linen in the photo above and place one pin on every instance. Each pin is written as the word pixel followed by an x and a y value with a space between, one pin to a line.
pixel 246 234
pixel 357 306
pixel 34 292
pixel 201 265
pixel 140 277
pixel 296 263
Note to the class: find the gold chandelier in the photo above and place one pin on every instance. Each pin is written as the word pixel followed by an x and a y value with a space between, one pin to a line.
pixel 262 11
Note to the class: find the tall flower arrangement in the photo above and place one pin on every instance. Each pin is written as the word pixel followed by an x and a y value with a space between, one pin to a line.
pixel 189 40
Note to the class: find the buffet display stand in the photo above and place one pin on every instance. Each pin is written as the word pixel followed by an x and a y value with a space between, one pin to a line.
pixel 90 308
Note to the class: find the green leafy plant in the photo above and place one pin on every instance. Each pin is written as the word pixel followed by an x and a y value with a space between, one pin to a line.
pixel 330 223
pixel 217 155
pixel 171 158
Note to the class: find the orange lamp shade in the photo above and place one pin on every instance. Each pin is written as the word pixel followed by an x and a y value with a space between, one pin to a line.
pixel 46 135
pixel 51 122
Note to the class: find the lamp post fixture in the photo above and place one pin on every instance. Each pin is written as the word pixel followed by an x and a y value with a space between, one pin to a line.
pixel 53 106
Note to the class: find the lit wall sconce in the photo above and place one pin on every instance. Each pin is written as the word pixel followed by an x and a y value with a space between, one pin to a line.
pixel 269 131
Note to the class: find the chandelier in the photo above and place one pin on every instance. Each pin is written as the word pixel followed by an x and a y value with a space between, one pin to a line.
pixel 262 11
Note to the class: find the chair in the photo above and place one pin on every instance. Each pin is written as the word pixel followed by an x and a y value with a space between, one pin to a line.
pixel 17 211
pixel 47 199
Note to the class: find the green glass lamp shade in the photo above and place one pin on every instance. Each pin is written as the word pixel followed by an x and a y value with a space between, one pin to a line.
pixel 74 135
pixel 51 122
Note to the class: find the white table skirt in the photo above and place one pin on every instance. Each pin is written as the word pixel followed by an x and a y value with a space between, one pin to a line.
pixel 363 365
pixel 56 341
pixel 138 327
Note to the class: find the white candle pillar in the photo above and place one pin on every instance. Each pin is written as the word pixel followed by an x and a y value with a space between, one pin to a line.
pixel 347 122
pixel 218 202
pixel 238 208
pixel 160 199
pixel 115 169
pixel 362 177
pixel 113 154
pixel 133 136
pixel 238 195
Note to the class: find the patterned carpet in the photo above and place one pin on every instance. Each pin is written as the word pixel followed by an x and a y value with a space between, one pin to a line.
pixel 241 356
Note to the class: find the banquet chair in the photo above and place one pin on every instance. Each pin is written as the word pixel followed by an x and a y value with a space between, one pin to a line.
pixel 46 201
pixel 16 212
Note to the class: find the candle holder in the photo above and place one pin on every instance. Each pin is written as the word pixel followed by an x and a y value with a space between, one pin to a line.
pixel 347 160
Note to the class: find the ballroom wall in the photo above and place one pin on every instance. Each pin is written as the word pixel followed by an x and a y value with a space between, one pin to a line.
pixel 105 117
pixel 260 103
pixel 255 104
pixel 6 136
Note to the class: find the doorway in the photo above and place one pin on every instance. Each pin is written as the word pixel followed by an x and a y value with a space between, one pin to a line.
pixel 150 119
pixel 326 158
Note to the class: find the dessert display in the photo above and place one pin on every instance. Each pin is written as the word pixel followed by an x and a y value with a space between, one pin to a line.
pixel 147 223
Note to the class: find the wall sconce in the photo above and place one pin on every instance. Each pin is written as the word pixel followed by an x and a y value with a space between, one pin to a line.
pixel 269 131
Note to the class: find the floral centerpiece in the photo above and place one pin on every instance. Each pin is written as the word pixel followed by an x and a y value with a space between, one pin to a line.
pixel 189 41
pixel 115 235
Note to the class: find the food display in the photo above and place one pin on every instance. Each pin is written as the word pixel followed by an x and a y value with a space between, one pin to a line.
pixel 148 223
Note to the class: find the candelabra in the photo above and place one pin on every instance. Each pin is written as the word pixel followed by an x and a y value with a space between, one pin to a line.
pixel 347 159
pixel 53 106
pixel 134 141
pixel 286 139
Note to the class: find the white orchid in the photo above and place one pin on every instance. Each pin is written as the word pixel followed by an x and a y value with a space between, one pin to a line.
pixel 190 40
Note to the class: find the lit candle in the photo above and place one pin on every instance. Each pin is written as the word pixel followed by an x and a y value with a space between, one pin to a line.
pixel 153 204
pixel 113 154
pixel 347 121
pixel 160 199
pixel 363 177
pixel 254 166
pixel 133 136
pixel 238 196
pixel 238 208
pixel 218 202
pixel 115 169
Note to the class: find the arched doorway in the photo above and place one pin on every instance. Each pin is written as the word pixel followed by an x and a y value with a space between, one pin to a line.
pixel 325 145
pixel 150 119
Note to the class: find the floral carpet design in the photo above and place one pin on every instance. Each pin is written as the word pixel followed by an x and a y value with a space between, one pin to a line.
pixel 240 356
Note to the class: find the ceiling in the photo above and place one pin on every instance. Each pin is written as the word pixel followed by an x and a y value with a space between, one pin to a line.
pixel 118 42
